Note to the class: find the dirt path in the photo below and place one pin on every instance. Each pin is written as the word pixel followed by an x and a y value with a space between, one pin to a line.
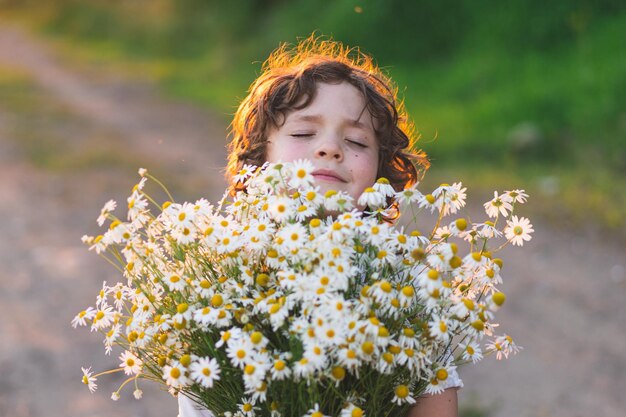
pixel 567 291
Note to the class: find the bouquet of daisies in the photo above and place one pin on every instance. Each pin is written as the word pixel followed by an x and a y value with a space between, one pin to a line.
pixel 286 301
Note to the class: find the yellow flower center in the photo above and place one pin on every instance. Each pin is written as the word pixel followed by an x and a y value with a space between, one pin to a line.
pixel 338 373
pixel 279 365
pixel 408 291
pixel 402 391
pixel 499 298
pixel 368 348
pixel 356 412
pixel 256 337
pixel 217 300
pixel 385 286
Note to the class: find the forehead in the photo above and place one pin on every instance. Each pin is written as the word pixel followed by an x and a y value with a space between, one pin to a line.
pixel 333 102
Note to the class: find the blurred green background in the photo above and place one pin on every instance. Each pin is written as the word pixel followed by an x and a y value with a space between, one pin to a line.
pixel 501 92
pixel 528 94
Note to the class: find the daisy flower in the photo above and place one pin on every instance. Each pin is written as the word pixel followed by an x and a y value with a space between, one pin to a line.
pixel 443 233
pixel 337 201
pixel 439 381
pixel 351 410
pixel 440 328
pixel 313 197
pixel 303 368
pixel 503 346
pixel 384 256
pixel 402 395
pixel 281 208
pixel 239 352
pixel 471 351
pixel 118 233
pixel 205 371
pixel 315 412
pixel 383 187
pixel 108 207
pixel 517 196
pixel 244 173
pixel 131 363
pixel 81 318
pixel 111 337
pixel 246 407
pixel 258 393
pixel 499 204
pixel 174 281
pixel 348 358
pixel 103 318
pixel 372 199
pixel 304 211
pixel 280 370
pixel 174 376
pixel 430 202
pixel 293 236
pixel 409 195
pixel 184 235
pixel 316 355
pixel 137 203
pixel 487 230
pixel 382 291
pixel 89 379
pixel 450 198
pixel 518 230
pixel 455 198
pixel 301 174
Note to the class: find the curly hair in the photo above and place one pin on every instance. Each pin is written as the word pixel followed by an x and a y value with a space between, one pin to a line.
pixel 288 81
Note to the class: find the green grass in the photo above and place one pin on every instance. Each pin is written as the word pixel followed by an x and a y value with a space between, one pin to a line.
pixel 574 96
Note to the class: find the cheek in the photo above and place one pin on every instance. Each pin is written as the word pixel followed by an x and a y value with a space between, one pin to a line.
pixel 366 167
pixel 285 150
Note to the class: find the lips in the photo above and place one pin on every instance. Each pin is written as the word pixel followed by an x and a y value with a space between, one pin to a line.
pixel 328 175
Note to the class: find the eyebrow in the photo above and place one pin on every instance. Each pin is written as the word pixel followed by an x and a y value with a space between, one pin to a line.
pixel 315 118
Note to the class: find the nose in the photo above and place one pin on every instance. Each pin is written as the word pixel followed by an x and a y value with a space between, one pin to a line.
pixel 329 148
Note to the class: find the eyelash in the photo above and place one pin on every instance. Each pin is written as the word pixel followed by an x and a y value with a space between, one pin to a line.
pixel 308 135
pixel 359 144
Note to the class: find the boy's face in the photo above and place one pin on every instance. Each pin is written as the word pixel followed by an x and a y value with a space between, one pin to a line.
pixel 335 132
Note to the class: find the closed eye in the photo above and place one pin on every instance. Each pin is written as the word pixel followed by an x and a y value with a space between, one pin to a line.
pixel 301 135
pixel 357 143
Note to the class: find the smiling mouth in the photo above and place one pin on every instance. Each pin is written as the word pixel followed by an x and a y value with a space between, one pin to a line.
pixel 327 175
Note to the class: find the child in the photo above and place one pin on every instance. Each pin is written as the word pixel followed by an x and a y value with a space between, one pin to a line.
pixel 331 105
